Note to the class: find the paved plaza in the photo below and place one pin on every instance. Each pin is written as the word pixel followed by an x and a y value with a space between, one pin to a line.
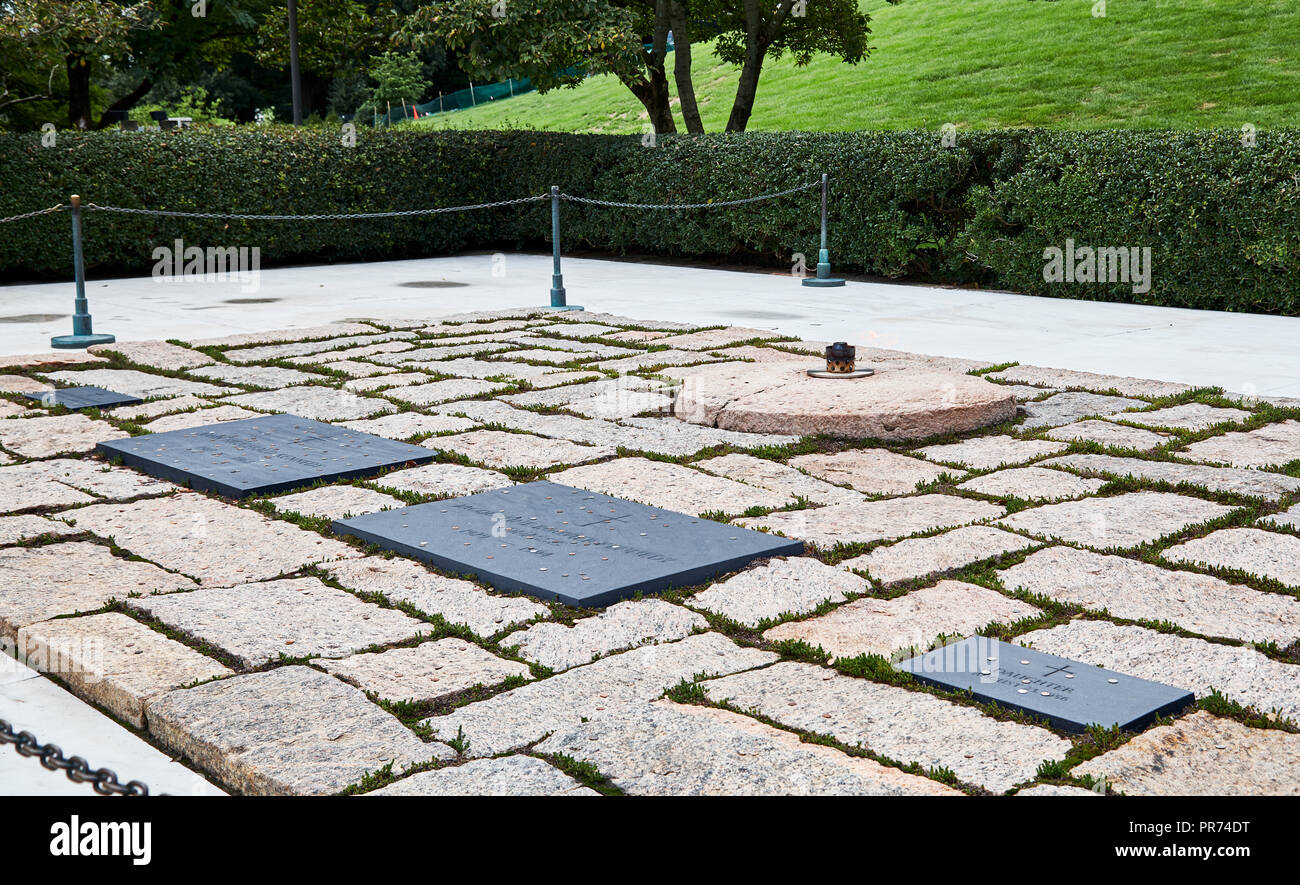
pixel 1144 525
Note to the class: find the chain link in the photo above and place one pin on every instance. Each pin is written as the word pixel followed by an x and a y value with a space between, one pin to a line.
pixel 48 211
pixel 406 213
pixel 78 770
pixel 716 205
pixel 316 217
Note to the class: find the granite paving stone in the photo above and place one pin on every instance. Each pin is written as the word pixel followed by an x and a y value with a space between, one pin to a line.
pixel 14 529
pixel 825 527
pixel 636 336
pixel 358 368
pixel 23 384
pixel 922 557
pixel 258 623
pixel 987 452
pixel 1133 590
pixel 52 483
pixel 114 661
pixel 680 438
pixel 657 358
pixel 55 435
pixel 788 586
pixel 622 404
pixel 1190 416
pixel 332 331
pixel 1202 755
pixel 199 418
pixel 430 393
pixel 1286 519
pixel 571 393
pixel 288 731
pixel 601 689
pixel 215 543
pixel 885 626
pixel 506 776
pixel 1268 446
pixel 317 403
pixel 272 377
pixel 1055 790
pixel 500 448
pixel 584 349
pixel 1066 408
pixel 291 347
pixel 156 354
pixel 336 502
pixel 554 357
pixel 1239 672
pixel 623 625
pixel 405 425
pixel 670 486
pixel 455 600
pixel 467 367
pixel 874 471
pixel 1032 484
pixel 155 408
pixel 1125 520
pixel 49 358
pixel 580 330
pixel 778 477
pixel 711 339
pixel 902 725
pixel 1255 483
pixel 1122 385
pixel 1107 433
pixel 326 357
pixel 73 576
pixel 430 671
pixel 666 749
pixel 445 480
pixel 141 384
pixel 1267 554
pixel 389 379
pixel 13 410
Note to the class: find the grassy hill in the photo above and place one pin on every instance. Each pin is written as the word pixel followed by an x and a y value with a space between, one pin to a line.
pixel 987 64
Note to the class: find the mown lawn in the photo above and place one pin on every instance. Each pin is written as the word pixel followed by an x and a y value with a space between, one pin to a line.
pixel 987 64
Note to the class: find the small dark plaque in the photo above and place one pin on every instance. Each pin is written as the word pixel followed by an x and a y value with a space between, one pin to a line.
pixel 1066 693
pixel 258 456
pixel 557 542
pixel 84 398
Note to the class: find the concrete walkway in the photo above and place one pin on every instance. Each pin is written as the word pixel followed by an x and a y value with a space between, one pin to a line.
pixel 1243 353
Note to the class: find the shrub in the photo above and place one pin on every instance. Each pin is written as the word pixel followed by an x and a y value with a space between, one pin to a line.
pixel 1216 214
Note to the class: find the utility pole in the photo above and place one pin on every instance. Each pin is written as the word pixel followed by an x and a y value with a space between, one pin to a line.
pixel 294 76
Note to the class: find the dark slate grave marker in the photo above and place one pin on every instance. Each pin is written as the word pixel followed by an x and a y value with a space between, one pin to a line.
pixel 258 456
pixel 557 542
pixel 84 398
pixel 1069 694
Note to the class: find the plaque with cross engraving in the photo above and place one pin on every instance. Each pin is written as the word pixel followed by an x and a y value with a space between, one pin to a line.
pixel 556 542
pixel 257 456
pixel 84 398
pixel 1068 694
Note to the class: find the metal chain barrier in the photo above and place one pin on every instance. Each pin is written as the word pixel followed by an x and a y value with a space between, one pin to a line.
pixel 49 211
pixel 613 205
pixel 401 213
pixel 77 769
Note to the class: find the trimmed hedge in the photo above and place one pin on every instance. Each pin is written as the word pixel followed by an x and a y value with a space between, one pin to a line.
pixel 1218 215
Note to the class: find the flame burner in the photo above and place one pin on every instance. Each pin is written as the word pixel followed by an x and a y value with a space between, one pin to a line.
pixel 841 363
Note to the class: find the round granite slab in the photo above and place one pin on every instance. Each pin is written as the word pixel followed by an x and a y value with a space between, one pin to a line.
pixel 895 404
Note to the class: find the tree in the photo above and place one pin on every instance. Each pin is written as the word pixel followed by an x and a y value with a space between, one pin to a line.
pixel 557 43
pixel 399 78
pixel 77 33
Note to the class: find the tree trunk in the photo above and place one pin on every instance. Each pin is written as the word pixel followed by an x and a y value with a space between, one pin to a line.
pixel 652 92
pixel 682 68
pixel 78 91
pixel 126 102
pixel 759 35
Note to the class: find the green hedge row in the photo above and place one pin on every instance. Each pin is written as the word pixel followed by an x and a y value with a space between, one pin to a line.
pixel 1218 215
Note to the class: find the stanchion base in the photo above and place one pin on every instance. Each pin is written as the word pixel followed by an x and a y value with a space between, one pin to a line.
pixel 824 282
pixel 77 342
pixel 563 307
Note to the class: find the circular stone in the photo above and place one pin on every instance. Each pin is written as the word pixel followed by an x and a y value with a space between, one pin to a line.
pixel 893 404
